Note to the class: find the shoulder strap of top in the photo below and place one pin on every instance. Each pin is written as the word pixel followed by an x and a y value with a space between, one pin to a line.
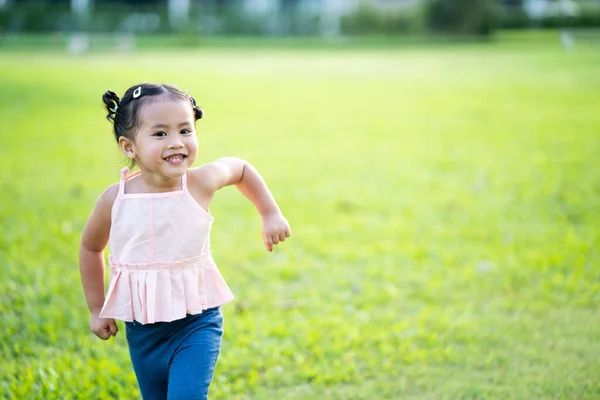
pixel 184 182
pixel 124 173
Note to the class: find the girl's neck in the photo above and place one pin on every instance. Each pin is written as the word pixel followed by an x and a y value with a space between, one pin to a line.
pixel 148 182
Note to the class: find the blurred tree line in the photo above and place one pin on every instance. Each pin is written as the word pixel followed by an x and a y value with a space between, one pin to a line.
pixel 229 17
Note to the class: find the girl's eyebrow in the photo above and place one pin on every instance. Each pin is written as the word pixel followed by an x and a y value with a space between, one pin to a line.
pixel 156 126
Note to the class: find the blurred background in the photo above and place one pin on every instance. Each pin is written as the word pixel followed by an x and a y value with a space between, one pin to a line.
pixel 200 18
pixel 438 161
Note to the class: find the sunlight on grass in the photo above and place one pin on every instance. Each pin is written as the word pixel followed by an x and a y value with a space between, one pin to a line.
pixel 443 202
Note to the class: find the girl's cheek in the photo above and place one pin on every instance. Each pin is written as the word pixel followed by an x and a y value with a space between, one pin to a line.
pixel 193 146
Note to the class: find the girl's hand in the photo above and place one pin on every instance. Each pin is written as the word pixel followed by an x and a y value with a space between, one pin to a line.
pixel 104 328
pixel 275 229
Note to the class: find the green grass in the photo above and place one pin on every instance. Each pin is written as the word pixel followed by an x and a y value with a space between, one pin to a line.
pixel 444 204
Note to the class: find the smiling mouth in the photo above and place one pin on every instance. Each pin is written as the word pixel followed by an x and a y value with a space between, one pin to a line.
pixel 175 159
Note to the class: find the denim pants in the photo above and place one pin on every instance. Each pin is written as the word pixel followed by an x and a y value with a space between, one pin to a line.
pixel 176 360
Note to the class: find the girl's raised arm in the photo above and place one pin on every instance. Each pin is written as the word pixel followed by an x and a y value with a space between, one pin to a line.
pixel 234 171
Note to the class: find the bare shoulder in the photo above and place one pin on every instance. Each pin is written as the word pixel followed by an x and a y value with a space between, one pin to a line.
pixel 106 201
pixel 96 231
pixel 199 178
pixel 222 172
pixel 108 197
pixel 204 178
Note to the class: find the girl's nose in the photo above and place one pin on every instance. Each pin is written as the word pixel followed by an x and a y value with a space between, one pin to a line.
pixel 175 143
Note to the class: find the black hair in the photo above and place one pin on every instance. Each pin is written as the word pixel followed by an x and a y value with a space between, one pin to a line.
pixel 125 113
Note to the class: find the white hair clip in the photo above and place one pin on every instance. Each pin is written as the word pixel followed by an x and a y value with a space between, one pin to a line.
pixel 137 92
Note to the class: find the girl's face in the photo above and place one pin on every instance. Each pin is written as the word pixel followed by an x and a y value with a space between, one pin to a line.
pixel 166 142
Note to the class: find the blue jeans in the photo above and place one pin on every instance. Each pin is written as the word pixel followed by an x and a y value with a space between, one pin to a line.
pixel 176 360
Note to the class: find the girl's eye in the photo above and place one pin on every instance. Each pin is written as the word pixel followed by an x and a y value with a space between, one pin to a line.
pixel 160 134
pixel 185 131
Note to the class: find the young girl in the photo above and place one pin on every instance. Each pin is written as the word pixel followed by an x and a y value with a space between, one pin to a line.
pixel 164 283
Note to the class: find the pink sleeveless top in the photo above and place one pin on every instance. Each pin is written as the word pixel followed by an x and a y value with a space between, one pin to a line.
pixel 161 267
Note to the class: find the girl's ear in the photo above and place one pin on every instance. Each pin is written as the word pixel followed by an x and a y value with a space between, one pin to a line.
pixel 127 147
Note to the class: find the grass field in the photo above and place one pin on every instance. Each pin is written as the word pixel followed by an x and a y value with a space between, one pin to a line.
pixel 444 204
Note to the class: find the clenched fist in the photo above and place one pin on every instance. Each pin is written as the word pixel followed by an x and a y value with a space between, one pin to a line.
pixel 275 229
pixel 104 328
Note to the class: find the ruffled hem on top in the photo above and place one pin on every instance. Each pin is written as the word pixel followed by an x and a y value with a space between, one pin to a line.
pixel 164 291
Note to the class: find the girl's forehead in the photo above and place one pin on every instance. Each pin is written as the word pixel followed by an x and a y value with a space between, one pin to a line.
pixel 168 108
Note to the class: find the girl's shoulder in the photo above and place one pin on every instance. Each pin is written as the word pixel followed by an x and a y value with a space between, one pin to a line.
pixel 214 175
pixel 108 197
pixel 101 215
pixel 202 178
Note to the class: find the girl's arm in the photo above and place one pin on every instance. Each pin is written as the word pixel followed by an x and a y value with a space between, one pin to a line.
pixel 234 171
pixel 91 262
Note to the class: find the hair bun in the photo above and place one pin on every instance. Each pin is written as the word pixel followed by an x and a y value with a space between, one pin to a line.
pixel 197 110
pixel 111 101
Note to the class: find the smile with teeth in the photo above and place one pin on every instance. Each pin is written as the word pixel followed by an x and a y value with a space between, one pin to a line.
pixel 175 158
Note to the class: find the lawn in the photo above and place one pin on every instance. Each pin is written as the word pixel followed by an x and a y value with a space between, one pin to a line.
pixel 444 204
